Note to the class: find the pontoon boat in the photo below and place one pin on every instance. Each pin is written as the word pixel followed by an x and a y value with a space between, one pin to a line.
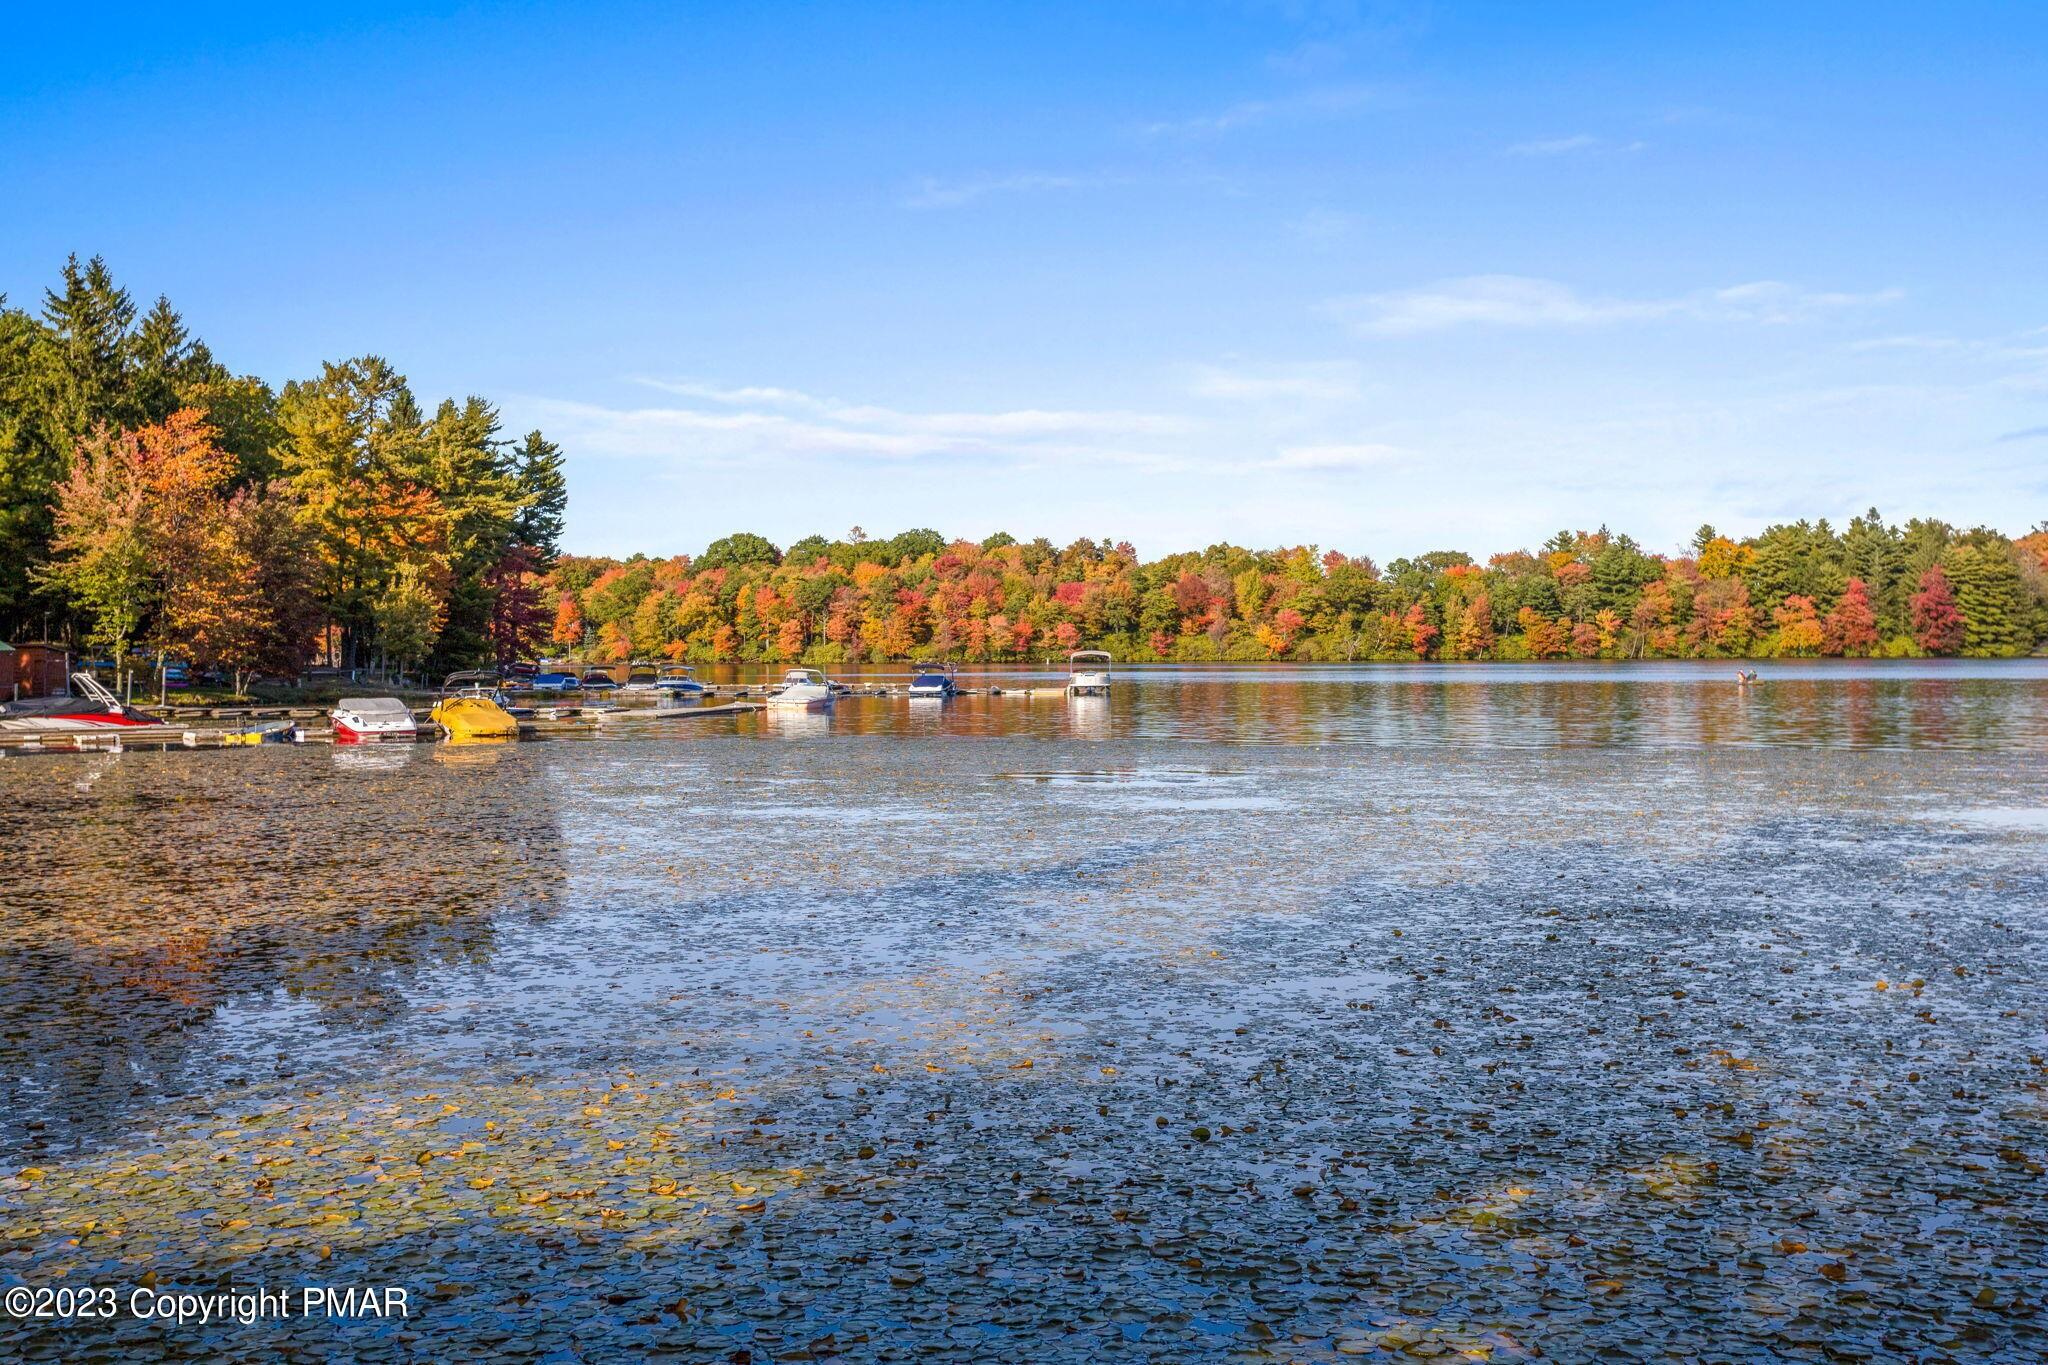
pixel 1088 673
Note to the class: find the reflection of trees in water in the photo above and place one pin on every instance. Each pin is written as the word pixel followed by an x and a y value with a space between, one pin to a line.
pixel 178 885
pixel 1606 706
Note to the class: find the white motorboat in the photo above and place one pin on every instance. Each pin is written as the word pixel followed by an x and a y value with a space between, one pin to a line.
pixel 1088 673
pixel 802 689
pixel 678 681
pixel 932 680
pixel 373 720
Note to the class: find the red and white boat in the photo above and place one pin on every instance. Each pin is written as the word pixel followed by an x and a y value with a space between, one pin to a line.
pixel 88 706
pixel 373 720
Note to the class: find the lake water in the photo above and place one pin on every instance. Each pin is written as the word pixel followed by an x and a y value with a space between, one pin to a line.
pixel 1282 1014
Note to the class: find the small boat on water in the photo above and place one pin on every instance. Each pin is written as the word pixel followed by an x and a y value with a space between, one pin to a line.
pixel 471 707
pixel 678 681
pixel 1088 673
pixel 554 683
pixel 932 680
pixel 802 689
pixel 642 676
pixel 87 706
pixel 272 732
pixel 373 720
pixel 599 682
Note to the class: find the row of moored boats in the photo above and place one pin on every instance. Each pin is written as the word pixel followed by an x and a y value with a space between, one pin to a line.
pixel 488 705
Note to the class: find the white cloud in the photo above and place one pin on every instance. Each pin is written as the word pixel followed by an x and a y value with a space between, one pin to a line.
pixel 1486 300
pixel 1309 104
pixel 716 394
pixel 1908 342
pixel 1332 457
pixel 1577 142
pixel 753 423
pixel 1555 146
pixel 1519 301
pixel 1329 382
pixel 933 193
pixel 1774 301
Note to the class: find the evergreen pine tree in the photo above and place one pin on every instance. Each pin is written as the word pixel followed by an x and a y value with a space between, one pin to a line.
pixel 1991 597
pixel 89 320
pixel 546 490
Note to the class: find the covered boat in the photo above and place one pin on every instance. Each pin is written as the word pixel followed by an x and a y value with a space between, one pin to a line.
pixel 932 680
pixel 87 706
pixel 554 682
pixel 372 720
pixel 804 689
pixel 1088 673
pixel 472 708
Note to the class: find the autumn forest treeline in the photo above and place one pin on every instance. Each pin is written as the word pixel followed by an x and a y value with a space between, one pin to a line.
pixel 151 498
pixel 1801 589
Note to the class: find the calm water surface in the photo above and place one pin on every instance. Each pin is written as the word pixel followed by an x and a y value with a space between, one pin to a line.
pixel 1542 1012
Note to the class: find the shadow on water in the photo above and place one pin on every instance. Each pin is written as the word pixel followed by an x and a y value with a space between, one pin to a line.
pixel 171 895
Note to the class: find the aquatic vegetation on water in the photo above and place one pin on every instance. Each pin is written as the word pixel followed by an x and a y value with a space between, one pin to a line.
pixel 1400 1052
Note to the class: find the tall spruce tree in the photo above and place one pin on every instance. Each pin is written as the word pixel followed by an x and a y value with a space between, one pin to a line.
pixel 1873 552
pixel 546 491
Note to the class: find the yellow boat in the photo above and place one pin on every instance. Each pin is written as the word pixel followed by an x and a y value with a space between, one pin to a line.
pixel 473 713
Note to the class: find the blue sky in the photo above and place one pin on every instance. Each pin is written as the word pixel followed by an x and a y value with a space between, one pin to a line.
pixel 1386 278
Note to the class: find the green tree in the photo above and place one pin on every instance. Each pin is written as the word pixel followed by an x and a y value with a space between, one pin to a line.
pixel 1992 598
pixel 89 319
pixel 407 617
pixel 808 551
pixel 101 548
pixel 477 483
pixel 915 544
pixel 351 450
pixel 740 548
pixel 546 492
pixel 1874 552
pixel 1620 572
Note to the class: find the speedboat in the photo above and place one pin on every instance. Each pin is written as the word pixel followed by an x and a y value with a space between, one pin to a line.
pixel 373 720
pixel 472 708
pixel 642 677
pixel 87 706
pixel 932 680
pixel 597 680
pixel 1088 673
pixel 804 689
pixel 678 681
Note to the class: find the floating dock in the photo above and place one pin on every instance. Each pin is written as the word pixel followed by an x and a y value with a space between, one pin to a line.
pixel 120 738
